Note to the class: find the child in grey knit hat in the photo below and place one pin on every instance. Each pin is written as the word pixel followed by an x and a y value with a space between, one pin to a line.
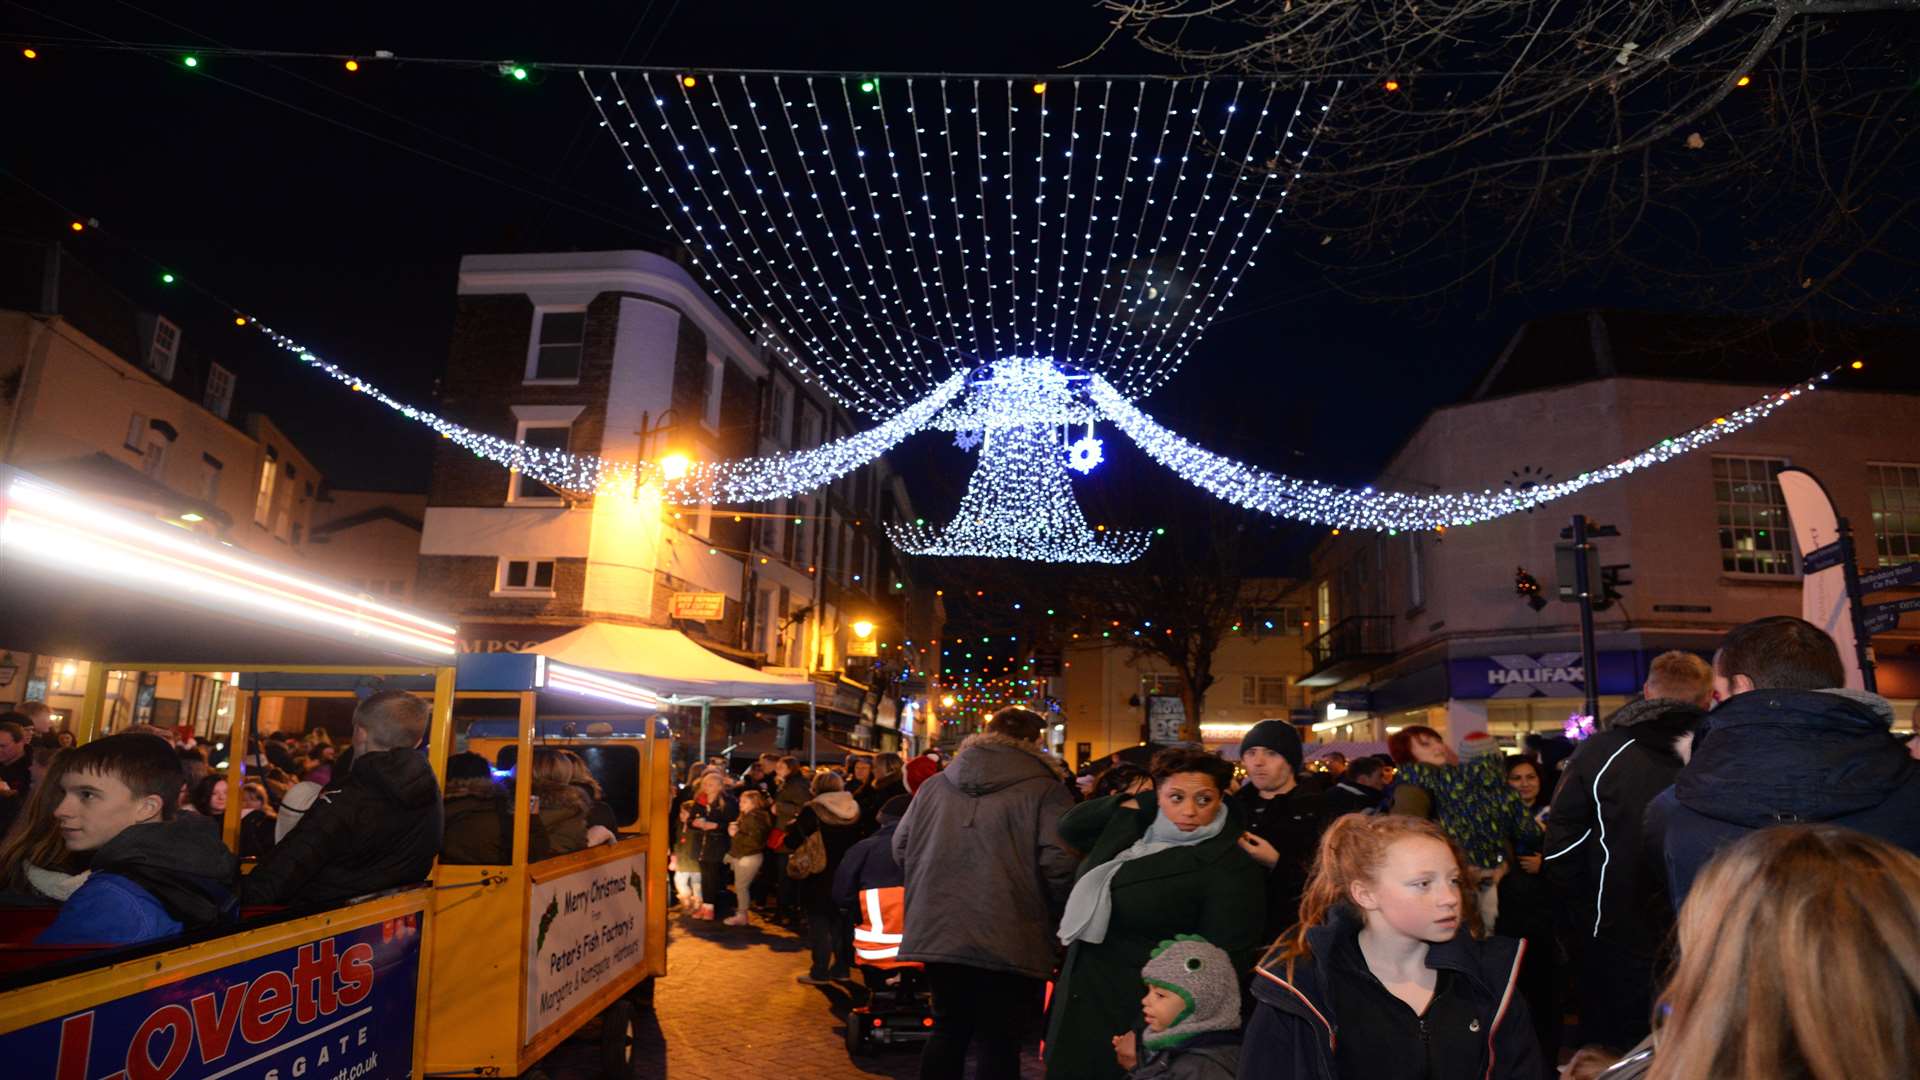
pixel 1192 1013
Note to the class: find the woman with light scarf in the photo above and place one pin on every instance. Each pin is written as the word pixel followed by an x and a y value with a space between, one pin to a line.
pixel 1155 868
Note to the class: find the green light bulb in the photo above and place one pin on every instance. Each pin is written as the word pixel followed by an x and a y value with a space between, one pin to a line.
pixel 520 74
pixel 166 279
pixel 190 61
pixel 866 86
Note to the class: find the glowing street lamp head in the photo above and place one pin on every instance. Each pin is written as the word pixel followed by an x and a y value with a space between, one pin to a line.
pixel 863 629
pixel 675 466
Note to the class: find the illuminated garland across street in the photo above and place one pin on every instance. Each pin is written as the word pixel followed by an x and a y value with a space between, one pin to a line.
pixel 882 234
pixel 776 477
pixel 1364 508
pixel 1019 502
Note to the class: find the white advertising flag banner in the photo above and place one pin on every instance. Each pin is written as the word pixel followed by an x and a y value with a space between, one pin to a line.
pixel 1823 593
pixel 589 930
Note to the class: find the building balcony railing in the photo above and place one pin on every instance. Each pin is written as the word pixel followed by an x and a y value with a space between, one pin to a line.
pixel 1354 645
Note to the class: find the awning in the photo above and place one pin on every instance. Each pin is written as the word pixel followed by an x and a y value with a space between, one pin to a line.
pixel 672 665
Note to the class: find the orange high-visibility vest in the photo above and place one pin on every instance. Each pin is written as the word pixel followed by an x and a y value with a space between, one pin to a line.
pixel 876 939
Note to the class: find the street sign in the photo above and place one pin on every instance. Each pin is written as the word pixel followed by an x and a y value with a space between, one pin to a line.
pixel 1046 664
pixel 1880 618
pixel 863 647
pixel 1302 716
pixel 697 606
pixel 1353 700
pixel 1904 576
pixel 1820 558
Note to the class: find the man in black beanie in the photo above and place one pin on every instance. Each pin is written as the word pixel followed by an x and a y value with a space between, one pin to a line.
pixel 1284 817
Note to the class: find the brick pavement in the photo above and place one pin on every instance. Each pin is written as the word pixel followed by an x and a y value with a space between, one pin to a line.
pixel 728 1008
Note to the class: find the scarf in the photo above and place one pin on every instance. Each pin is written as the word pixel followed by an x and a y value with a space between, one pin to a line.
pixel 1090 905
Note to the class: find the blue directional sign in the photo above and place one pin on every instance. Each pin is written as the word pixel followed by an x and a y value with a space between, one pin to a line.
pixel 1891 577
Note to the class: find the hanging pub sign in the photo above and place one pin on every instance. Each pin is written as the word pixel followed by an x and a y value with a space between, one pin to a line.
pixel 698 606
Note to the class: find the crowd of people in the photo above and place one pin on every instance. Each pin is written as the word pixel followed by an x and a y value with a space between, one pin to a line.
pixel 1721 881
pixel 124 833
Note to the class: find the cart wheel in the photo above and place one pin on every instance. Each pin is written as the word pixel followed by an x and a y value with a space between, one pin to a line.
pixel 618 1034
pixel 857 1044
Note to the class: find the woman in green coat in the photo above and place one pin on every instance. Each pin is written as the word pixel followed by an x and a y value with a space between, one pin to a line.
pixel 1154 869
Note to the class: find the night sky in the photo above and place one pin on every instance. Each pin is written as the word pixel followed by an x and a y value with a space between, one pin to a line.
pixel 340 210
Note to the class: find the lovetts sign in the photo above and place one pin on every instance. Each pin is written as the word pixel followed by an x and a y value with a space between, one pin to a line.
pixel 589 935
pixel 340 1008
pixel 1522 675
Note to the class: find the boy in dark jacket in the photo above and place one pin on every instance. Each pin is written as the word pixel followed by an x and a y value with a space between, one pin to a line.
pixel 1594 854
pixel 152 875
pixel 375 828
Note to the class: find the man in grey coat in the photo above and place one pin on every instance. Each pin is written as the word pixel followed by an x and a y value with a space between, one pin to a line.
pixel 987 876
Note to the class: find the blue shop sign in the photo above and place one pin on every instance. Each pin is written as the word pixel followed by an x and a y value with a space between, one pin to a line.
pixel 1529 675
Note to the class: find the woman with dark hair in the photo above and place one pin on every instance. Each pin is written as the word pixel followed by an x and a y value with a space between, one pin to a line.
pixel 1155 867
pixel 1527 907
pixel 1122 779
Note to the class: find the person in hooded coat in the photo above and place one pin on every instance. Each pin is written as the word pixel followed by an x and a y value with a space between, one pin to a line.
pixel 479 825
pixel 152 874
pixel 377 828
pixel 987 876
pixel 836 817
pixel 1787 743
pixel 1593 852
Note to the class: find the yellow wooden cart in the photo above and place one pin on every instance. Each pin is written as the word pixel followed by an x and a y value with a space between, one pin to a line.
pixel 284 994
pixel 481 973
pixel 530 952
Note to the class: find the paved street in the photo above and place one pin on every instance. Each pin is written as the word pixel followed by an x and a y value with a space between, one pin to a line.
pixel 729 1007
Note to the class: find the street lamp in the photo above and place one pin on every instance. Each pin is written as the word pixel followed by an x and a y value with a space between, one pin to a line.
pixel 675 466
pixel 947 701
pixel 863 629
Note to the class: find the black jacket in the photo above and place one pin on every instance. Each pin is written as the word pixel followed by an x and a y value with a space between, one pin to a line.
pixel 1347 798
pixel 874 796
pixel 1594 851
pixel 182 864
pixel 836 817
pixel 1479 1027
pixel 1771 757
pixel 869 864
pixel 378 829
pixel 1292 824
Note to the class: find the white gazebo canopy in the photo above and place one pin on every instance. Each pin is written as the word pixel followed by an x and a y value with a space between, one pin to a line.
pixel 673 665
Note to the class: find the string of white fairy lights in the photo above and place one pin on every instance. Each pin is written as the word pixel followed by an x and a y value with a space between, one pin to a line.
pixel 1019 502
pixel 1317 503
pixel 823 212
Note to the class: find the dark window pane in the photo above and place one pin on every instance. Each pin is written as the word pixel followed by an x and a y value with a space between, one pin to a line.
pixel 516 575
pixel 557 362
pixel 563 328
pixel 543 575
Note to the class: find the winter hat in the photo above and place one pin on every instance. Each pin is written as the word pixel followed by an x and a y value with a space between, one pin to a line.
pixel 1477 744
pixel 920 770
pixel 895 809
pixel 1278 736
pixel 1200 974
